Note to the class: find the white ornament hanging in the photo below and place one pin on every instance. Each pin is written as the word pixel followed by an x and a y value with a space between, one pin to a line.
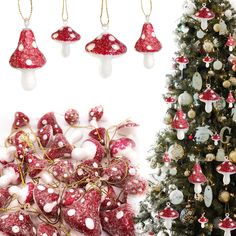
pixel 200 34
pixel 176 197
pixel 220 156
pixel 223 28
pixel 197 81
pixel 185 99
pixel 217 65
pixel 233 113
pixel 208 196
pixel 228 14
pixel 189 8
pixel 203 134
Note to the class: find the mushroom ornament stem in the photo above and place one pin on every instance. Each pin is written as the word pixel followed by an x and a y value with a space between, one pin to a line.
pixel 106 66
pixel 28 80
pixel 65 49
pixel 148 60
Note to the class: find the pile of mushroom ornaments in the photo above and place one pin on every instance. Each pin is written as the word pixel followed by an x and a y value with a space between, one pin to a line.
pixel 72 181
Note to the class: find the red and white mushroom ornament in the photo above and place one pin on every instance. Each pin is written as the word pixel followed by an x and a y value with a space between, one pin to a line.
pixel 90 149
pixel 166 159
pixel 227 225
pixel 169 99
pixel 180 124
pixel 10 175
pixel 106 47
pixel 27 58
pixel 208 60
pixel 66 36
pixel 148 44
pixel 203 220
pixel 226 168
pixel 95 115
pixel 230 99
pixel 182 61
pixel 204 15
pixel 230 43
pixel 209 96
pixel 216 138
pixel 168 214
pixel 197 178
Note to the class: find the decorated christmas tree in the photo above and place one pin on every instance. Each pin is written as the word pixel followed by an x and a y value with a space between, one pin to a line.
pixel 193 187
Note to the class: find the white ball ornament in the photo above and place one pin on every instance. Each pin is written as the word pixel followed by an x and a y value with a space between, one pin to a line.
pixel 173 171
pixel 185 99
pixel 200 34
pixel 189 8
pixel 217 65
pixel 228 14
pixel 176 197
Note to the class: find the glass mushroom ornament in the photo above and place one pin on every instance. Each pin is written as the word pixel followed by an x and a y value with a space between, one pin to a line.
pixel 209 96
pixel 148 44
pixel 180 124
pixel 227 225
pixel 226 169
pixel 197 178
pixel 182 61
pixel 230 43
pixel 203 220
pixel 230 99
pixel 168 215
pixel 204 15
pixel 27 58
pixel 106 46
pixel 65 35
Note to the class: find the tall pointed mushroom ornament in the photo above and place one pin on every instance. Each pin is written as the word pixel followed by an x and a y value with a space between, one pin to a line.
pixel 230 99
pixel 227 225
pixel 27 57
pixel 168 214
pixel 209 96
pixel 230 43
pixel 197 178
pixel 65 35
pixel 226 169
pixel 106 46
pixel 204 15
pixel 180 124
pixel 148 43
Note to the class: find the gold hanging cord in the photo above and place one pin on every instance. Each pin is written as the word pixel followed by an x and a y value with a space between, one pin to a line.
pixel 26 19
pixel 104 17
pixel 147 12
pixel 65 14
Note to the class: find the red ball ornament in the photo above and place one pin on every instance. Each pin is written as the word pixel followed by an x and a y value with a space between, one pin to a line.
pixel 190 137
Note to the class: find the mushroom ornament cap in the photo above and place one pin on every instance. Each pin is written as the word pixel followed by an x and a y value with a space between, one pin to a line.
pixel 179 121
pixel 148 43
pixel 27 55
pixel 209 96
pixel 197 176
pixel 230 42
pixel 182 60
pixel 205 13
pixel 66 34
pixel 169 213
pixel 227 224
pixel 107 45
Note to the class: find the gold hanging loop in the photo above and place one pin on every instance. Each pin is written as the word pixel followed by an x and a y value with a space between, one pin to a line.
pixel 104 17
pixel 147 13
pixel 26 19
pixel 65 14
